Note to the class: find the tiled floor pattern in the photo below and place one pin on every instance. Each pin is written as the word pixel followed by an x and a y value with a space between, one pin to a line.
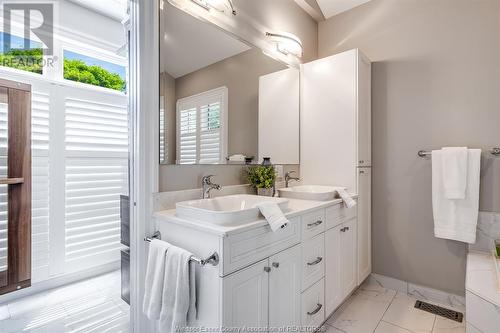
pixel 374 309
pixel 95 306
pixel 92 305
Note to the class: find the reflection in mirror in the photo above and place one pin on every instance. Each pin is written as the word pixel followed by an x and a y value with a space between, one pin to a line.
pixel 4 112
pixel 209 95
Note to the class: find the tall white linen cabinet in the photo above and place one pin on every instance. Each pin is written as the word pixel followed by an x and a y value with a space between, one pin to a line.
pixel 335 131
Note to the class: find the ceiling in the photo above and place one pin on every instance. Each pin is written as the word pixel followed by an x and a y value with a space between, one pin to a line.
pixel 115 9
pixel 334 7
pixel 189 44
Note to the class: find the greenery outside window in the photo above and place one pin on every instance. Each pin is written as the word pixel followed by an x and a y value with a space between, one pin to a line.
pixel 29 60
pixel 90 70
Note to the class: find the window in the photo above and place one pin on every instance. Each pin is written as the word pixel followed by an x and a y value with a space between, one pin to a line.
pixel 30 60
pixel 202 128
pixel 90 70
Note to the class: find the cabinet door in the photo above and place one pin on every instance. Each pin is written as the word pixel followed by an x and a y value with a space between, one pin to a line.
pixel 348 257
pixel 333 288
pixel 364 111
pixel 364 224
pixel 284 288
pixel 246 295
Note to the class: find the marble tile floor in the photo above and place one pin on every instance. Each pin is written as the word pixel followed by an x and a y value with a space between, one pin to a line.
pixel 374 309
pixel 92 305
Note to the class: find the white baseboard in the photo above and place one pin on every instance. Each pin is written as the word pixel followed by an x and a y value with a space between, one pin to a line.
pixel 446 299
pixel 60 281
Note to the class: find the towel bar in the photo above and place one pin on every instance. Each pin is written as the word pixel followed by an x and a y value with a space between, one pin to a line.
pixel 494 151
pixel 212 260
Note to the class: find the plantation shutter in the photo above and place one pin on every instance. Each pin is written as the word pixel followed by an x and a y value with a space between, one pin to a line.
pixel 201 128
pixel 96 153
pixel 4 109
pixel 40 127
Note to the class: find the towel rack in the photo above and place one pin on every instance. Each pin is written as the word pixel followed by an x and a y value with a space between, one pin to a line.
pixel 212 260
pixel 494 151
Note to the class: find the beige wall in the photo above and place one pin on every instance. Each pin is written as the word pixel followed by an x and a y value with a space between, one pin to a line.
pixel 240 74
pixel 436 82
pixel 167 90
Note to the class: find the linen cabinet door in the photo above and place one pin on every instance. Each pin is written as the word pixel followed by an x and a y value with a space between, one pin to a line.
pixel 364 224
pixel 333 288
pixel 284 288
pixel 245 295
pixel 348 257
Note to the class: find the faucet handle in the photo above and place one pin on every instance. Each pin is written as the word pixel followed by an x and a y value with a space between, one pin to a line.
pixel 207 179
pixel 289 173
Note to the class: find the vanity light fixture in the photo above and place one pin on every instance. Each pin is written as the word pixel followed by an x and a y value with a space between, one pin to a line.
pixel 218 5
pixel 287 43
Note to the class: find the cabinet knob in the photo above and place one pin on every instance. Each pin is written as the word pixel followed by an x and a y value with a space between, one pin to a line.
pixel 276 264
pixel 267 269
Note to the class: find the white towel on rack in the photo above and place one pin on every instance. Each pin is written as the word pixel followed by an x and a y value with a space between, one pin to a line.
pixel 179 294
pixel 155 274
pixel 273 214
pixel 454 164
pixel 349 202
pixel 456 218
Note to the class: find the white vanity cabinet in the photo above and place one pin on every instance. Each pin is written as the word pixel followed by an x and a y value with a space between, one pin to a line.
pixel 296 276
pixel 266 293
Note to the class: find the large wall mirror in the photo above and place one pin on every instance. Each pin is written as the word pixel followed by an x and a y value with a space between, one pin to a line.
pixel 222 100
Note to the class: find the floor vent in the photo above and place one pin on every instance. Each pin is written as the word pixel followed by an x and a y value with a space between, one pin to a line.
pixel 440 311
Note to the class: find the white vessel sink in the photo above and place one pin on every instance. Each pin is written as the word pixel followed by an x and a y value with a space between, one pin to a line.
pixel 309 192
pixel 229 210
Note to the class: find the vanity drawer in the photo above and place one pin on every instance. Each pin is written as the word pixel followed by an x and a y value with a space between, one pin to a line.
pixel 313 223
pixel 248 247
pixel 338 214
pixel 312 305
pixel 313 260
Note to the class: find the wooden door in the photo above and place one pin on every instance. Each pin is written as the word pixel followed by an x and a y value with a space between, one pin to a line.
pixel 15 186
pixel 284 288
pixel 246 297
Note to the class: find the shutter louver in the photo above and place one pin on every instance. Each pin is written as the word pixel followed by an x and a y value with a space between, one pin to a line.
pixel 40 185
pixel 188 141
pixel 210 138
pixel 4 109
pixel 96 176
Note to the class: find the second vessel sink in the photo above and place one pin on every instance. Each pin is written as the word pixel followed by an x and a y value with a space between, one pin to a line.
pixel 309 192
pixel 229 210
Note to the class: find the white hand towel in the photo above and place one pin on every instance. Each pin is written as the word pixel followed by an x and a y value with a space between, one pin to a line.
pixel 273 215
pixel 456 218
pixel 349 202
pixel 454 166
pixel 179 294
pixel 155 273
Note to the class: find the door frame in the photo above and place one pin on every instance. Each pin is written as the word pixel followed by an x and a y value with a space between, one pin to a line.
pixel 144 158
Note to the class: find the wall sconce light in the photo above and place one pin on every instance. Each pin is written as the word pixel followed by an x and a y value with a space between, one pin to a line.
pixel 218 5
pixel 287 43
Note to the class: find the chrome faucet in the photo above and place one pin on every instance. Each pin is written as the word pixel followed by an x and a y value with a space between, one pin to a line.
pixel 289 178
pixel 207 185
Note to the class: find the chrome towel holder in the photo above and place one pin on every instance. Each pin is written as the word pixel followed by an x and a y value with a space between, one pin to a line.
pixel 212 260
pixel 493 151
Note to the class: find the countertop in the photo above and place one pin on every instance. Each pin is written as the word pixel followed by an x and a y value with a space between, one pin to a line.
pixel 481 277
pixel 295 207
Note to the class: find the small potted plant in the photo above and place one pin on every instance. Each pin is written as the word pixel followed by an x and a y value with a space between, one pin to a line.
pixel 262 178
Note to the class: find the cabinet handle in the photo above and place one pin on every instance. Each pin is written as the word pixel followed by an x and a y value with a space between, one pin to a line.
pixel 318 308
pixel 344 229
pixel 315 262
pixel 267 269
pixel 361 171
pixel 314 224
pixel 276 264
